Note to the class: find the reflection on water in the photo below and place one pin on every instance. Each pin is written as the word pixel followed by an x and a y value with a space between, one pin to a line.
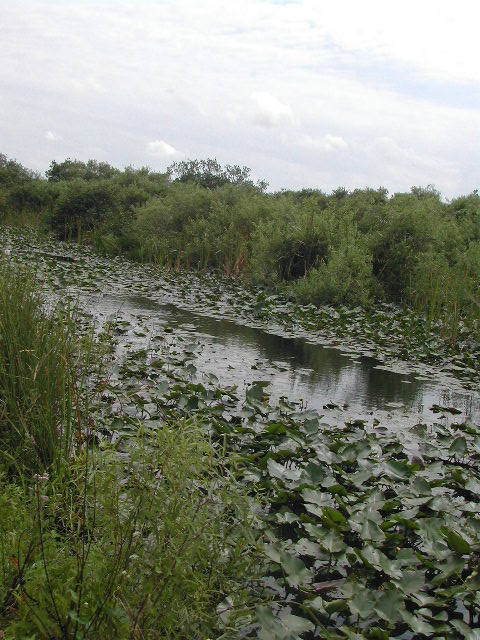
pixel 295 367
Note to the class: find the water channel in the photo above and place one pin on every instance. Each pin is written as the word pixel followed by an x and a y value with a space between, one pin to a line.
pixel 296 368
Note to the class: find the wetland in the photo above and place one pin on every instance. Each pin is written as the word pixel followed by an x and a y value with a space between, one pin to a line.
pixel 361 465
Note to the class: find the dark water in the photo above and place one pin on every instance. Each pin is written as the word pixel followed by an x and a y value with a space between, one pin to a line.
pixel 295 368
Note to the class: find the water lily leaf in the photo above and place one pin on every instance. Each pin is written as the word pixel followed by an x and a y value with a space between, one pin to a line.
pixel 257 390
pixel 325 455
pixel 396 470
pixel 311 425
pixel 371 531
pixel 332 542
pixel 427 613
pixel 317 497
pixel 270 627
pixel 389 605
pixel 472 583
pixel 312 474
pixel 411 582
pixel 306 547
pixel 295 624
pixel 362 603
pixel 421 486
pixel 360 477
pixel 277 470
pixel 286 517
pixel 473 485
pixel 458 447
pixel 334 606
pixel 417 624
pixel 460 626
pixel 337 489
pixel 315 509
pixel 451 565
pixel 334 517
pixel 273 551
pixel 457 542
pixel 355 452
pixel 297 572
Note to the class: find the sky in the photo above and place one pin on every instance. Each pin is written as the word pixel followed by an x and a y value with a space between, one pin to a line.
pixel 307 93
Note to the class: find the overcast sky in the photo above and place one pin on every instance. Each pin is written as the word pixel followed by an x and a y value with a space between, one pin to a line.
pixel 309 93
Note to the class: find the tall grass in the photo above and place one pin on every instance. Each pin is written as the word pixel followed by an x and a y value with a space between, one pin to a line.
pixel 95 544
pixel 36 360
pixel 146 547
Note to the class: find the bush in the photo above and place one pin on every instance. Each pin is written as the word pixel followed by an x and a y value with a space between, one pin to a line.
pixel 82 206
pixel 345 279
pixel 292 241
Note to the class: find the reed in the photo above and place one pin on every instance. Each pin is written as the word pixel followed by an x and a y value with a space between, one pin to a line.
pixel 37 358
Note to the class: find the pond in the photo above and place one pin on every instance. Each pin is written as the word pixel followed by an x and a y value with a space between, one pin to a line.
pixel 296 368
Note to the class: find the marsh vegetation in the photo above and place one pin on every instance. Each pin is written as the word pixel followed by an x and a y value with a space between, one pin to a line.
pixel 146 492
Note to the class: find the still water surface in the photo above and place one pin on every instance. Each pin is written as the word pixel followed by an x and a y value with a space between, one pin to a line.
pixel 295 367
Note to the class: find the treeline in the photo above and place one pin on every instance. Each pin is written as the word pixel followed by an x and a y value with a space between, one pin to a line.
pixel 345 247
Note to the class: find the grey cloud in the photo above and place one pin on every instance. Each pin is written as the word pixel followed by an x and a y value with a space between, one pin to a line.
pixel 254 83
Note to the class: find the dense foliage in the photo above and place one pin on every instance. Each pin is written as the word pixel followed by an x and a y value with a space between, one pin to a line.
pixel 182 508
pixel 98 541
pixel 347 247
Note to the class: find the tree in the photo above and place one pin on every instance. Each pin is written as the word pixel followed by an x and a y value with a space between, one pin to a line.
pixel 210 174
pixel 72 169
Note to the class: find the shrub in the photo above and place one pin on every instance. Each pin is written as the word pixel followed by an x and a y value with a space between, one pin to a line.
pixel 81 206
pixel 345 279
pixel 289 243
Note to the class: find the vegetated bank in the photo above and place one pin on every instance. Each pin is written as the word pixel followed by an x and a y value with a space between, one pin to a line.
pixel 361 247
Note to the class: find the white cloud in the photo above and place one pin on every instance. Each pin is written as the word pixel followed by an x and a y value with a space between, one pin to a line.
pixel 51 136
pixel 327 143
pixel 161 148
pixel 269 111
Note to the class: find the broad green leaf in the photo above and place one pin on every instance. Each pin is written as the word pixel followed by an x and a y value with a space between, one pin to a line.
pixel 458 447
pixel 297 572
pixel 457 542
pixel 411 582
pixel 362 603
pixel 389 605
pixel 396 470
pixel 371 531
pixel 317 497
pixel 334 517
pixel 417 624
pixel 295 624
pixel 277 470
pixel 332 542
pixel 306 547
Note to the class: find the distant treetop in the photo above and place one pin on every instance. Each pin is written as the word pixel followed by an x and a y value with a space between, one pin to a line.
pixel 71 169
pixel 210 174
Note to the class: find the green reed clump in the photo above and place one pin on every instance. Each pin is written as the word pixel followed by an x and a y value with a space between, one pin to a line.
pixel 154 541
pixel 36 355
pixel 152 545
